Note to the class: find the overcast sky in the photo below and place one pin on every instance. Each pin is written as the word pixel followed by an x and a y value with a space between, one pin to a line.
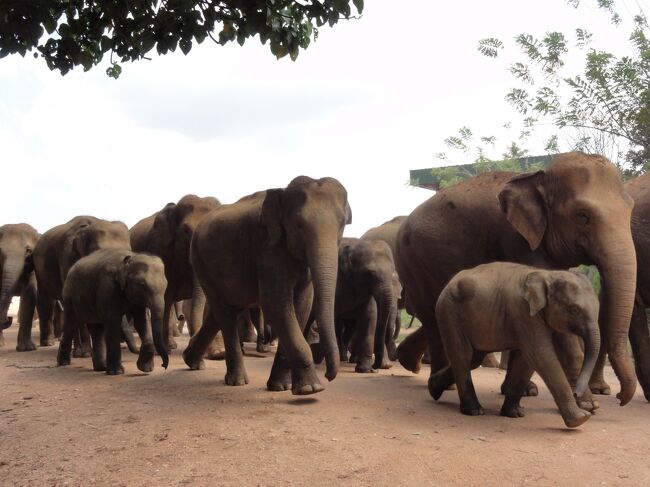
pixel 369 100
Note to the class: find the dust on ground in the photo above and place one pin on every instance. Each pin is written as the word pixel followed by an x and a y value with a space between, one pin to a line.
pixel 72 426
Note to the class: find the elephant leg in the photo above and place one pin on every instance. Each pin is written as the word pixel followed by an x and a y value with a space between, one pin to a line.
pixel 81 341
pixel 341 329
pixel 147 351
pixel 65 344
pixel 461 362
pixel 411 350
pixel 365 343
pixel 258 322
pixel 202 342
pixel 173 320
pixel 26 317
pixel 640 341
pixel 127 336
pixel 99 346
pixel 391 346
pixel 113 334
pixel 503 362
pixel 281 378
pixel 168 334
pixel 45 306
pixel 57 319
pixel 569 349
pixel 490 361
pixel 235 369
pixel 515 384
pixel 217 348
pixel 538 350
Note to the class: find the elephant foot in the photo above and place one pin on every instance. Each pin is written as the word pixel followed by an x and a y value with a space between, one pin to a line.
pixel 279 379
pixel 436 387
pixel 47 342
pixel 490 361
pixel 172 345
pixel 278 386
pixel 426 358
pixel 115 370
pixel 408 360
pixel 317 352
pixel 391 349
pixel 305 382
pixel 194 363
pixel 575 417
pixel 471 409
pixel 237 378
pixel 145 363
pixel 80 353
pixel 2 341
pixel 364 369
pixel 215 354
pixel 511 408
pixel 262 348
pixel 28 346
pixel 175 331
pixel 63 359
pixel 646 391
pixel 99 367
pixel 587 402
pixel 385 365
pixel 531 389
pixel 599 386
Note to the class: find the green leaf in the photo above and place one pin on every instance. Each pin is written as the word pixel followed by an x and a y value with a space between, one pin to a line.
pixel 185 45
pixel 359 5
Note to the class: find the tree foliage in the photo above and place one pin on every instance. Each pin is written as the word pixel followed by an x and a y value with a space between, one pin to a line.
pixel 69 33
pixel 606 103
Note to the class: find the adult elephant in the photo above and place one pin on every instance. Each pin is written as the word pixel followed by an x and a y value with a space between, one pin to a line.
pixel 639 189
pixel 277 249
pixel 167 234
pixel 17 242
pixel 576 212
pixel 58 249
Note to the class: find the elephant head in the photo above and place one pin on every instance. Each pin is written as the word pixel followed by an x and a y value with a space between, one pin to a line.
pixel 368 265
pixel 570 306
pixel 100 234
pixel 307 218
pixel 577 212
pixel 172 231
pixel 16 244
pixel 142 280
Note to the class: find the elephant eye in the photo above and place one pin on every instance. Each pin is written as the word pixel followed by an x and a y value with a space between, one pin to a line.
pixel 574 311
pixel 582 217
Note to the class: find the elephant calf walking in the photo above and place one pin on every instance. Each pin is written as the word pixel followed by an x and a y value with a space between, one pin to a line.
pixel 99 290
pixel 506 306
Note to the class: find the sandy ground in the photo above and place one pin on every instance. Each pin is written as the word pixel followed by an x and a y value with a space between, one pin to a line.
pixel 72 426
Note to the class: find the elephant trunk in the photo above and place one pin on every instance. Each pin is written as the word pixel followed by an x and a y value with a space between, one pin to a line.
pixel 157 314
pixel 323 263
pixel 618 271
pixel 198 306
pixel 591 338
pixel 11 273
pixel 386 310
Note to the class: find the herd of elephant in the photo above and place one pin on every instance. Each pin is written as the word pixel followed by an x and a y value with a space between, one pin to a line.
pixel 483 264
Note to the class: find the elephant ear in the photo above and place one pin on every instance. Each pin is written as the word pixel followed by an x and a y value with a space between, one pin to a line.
pixel 535 292
pixel 345 261
pixel 522 202
pixel 122 274
pixel 29 261
pixel 80 241
pixel 271 215
pixel 348 213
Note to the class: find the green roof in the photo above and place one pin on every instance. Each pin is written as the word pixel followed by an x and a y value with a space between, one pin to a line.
pixel 436 178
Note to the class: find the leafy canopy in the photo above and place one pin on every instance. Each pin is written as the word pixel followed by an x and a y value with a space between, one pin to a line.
pixel 609 98
pixel 69 33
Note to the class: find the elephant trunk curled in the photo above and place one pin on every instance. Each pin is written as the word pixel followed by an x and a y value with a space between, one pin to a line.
pixel 198 305
pixel 323 263
pixel 11 273
pixel 618 270
pixel 591 338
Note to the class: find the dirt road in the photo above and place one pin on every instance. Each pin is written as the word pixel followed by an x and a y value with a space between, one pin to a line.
pixel 72 426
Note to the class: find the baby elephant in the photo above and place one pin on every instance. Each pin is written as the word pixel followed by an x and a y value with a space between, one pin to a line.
pixel 99 290
pixel 506 306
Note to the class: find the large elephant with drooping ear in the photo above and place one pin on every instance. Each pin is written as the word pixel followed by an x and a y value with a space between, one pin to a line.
pixel 639 189
pixel 277 249
pixel 575 212
pixel 167 234
pixel 17 242
pixel 57 250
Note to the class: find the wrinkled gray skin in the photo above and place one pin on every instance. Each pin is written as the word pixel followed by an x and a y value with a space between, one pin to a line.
pixel 506 306
pixel 575 212
pixel 56 252
pixel 17 278
pixel 366 301
pixel 277 249
pixel 167 234
pixel 387 232
pixel 99 290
